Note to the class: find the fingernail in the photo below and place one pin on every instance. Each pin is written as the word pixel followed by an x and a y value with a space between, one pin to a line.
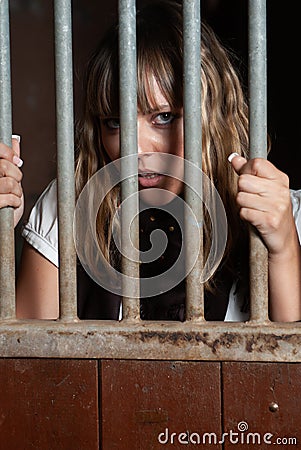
pixel 230 157
pixel 16 136
pixel 18 161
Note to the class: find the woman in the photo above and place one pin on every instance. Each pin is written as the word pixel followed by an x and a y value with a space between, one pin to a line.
pixel 252 191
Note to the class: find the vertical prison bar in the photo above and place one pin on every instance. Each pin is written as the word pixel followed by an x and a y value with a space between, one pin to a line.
pixel 7 251
pixel 193 153
pixel 128 118
pixel 258 149
pixel 65 158
pixel 128 147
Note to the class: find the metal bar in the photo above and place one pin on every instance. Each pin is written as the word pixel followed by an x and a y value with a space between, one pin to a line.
pixel 258 149
pixel 193 153
pixel 128 146
pixel 7 248
pixel 65 159
pixel 152 340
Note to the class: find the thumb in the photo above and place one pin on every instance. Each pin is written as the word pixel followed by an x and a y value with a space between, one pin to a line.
pixel 237 161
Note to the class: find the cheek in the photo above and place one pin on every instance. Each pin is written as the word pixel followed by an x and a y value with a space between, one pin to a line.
pixel 180 149
pixel 179 141
pixel 111 145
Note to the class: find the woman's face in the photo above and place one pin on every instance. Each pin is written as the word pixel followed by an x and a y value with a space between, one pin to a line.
pixel 160 131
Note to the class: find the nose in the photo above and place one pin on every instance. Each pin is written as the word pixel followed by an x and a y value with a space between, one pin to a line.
pixel 145 137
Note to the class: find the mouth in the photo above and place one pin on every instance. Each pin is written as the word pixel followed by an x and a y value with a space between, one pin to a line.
pixel 149 179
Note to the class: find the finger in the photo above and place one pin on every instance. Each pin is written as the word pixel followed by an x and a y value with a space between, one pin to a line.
pixel 237 161
pixel 265 222
pixel 10 186
pixel 9 169
pixel 10 200
pixel 253 201
pixel 12 154
pixel 254 217
pixel 259 167
pixel 260 186
pixel 6 152
pixel 280 204
pixel 16 139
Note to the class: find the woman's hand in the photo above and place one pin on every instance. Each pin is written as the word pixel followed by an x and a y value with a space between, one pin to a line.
pixel 11 193
pixel 264 201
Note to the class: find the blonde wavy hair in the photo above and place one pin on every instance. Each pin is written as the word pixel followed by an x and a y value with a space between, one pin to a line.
pixel 224 110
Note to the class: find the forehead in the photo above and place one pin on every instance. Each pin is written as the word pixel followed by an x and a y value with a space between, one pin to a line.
pixel 158 97
pixel 154 97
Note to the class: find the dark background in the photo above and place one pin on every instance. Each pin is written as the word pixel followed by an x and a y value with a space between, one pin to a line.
pixel 33 75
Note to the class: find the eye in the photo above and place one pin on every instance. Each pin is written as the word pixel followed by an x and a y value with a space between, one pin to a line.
pixel 112 123
pixel 164 118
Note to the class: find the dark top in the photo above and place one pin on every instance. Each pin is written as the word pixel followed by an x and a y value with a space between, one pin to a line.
pixel 94 302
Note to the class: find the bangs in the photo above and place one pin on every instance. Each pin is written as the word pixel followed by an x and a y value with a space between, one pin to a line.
pixel 159 60
pixel 160 55
pixel 155 67
pixel 152 68
pixel 107 100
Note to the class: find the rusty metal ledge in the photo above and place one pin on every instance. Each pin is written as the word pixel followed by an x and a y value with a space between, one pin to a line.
pixel 146 340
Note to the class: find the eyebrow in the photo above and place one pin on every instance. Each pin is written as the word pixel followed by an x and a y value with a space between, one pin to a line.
pixel 158 108
pixel 149 111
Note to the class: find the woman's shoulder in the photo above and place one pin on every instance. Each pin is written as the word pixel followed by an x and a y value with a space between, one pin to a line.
pixel 40 230
pixel 47 201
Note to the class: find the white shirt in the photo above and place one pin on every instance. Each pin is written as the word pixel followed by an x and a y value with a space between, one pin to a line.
pixel 41 233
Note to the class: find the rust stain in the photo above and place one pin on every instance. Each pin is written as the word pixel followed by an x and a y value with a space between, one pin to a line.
pixel 262 343
pixel 255 343
pixel 224 340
